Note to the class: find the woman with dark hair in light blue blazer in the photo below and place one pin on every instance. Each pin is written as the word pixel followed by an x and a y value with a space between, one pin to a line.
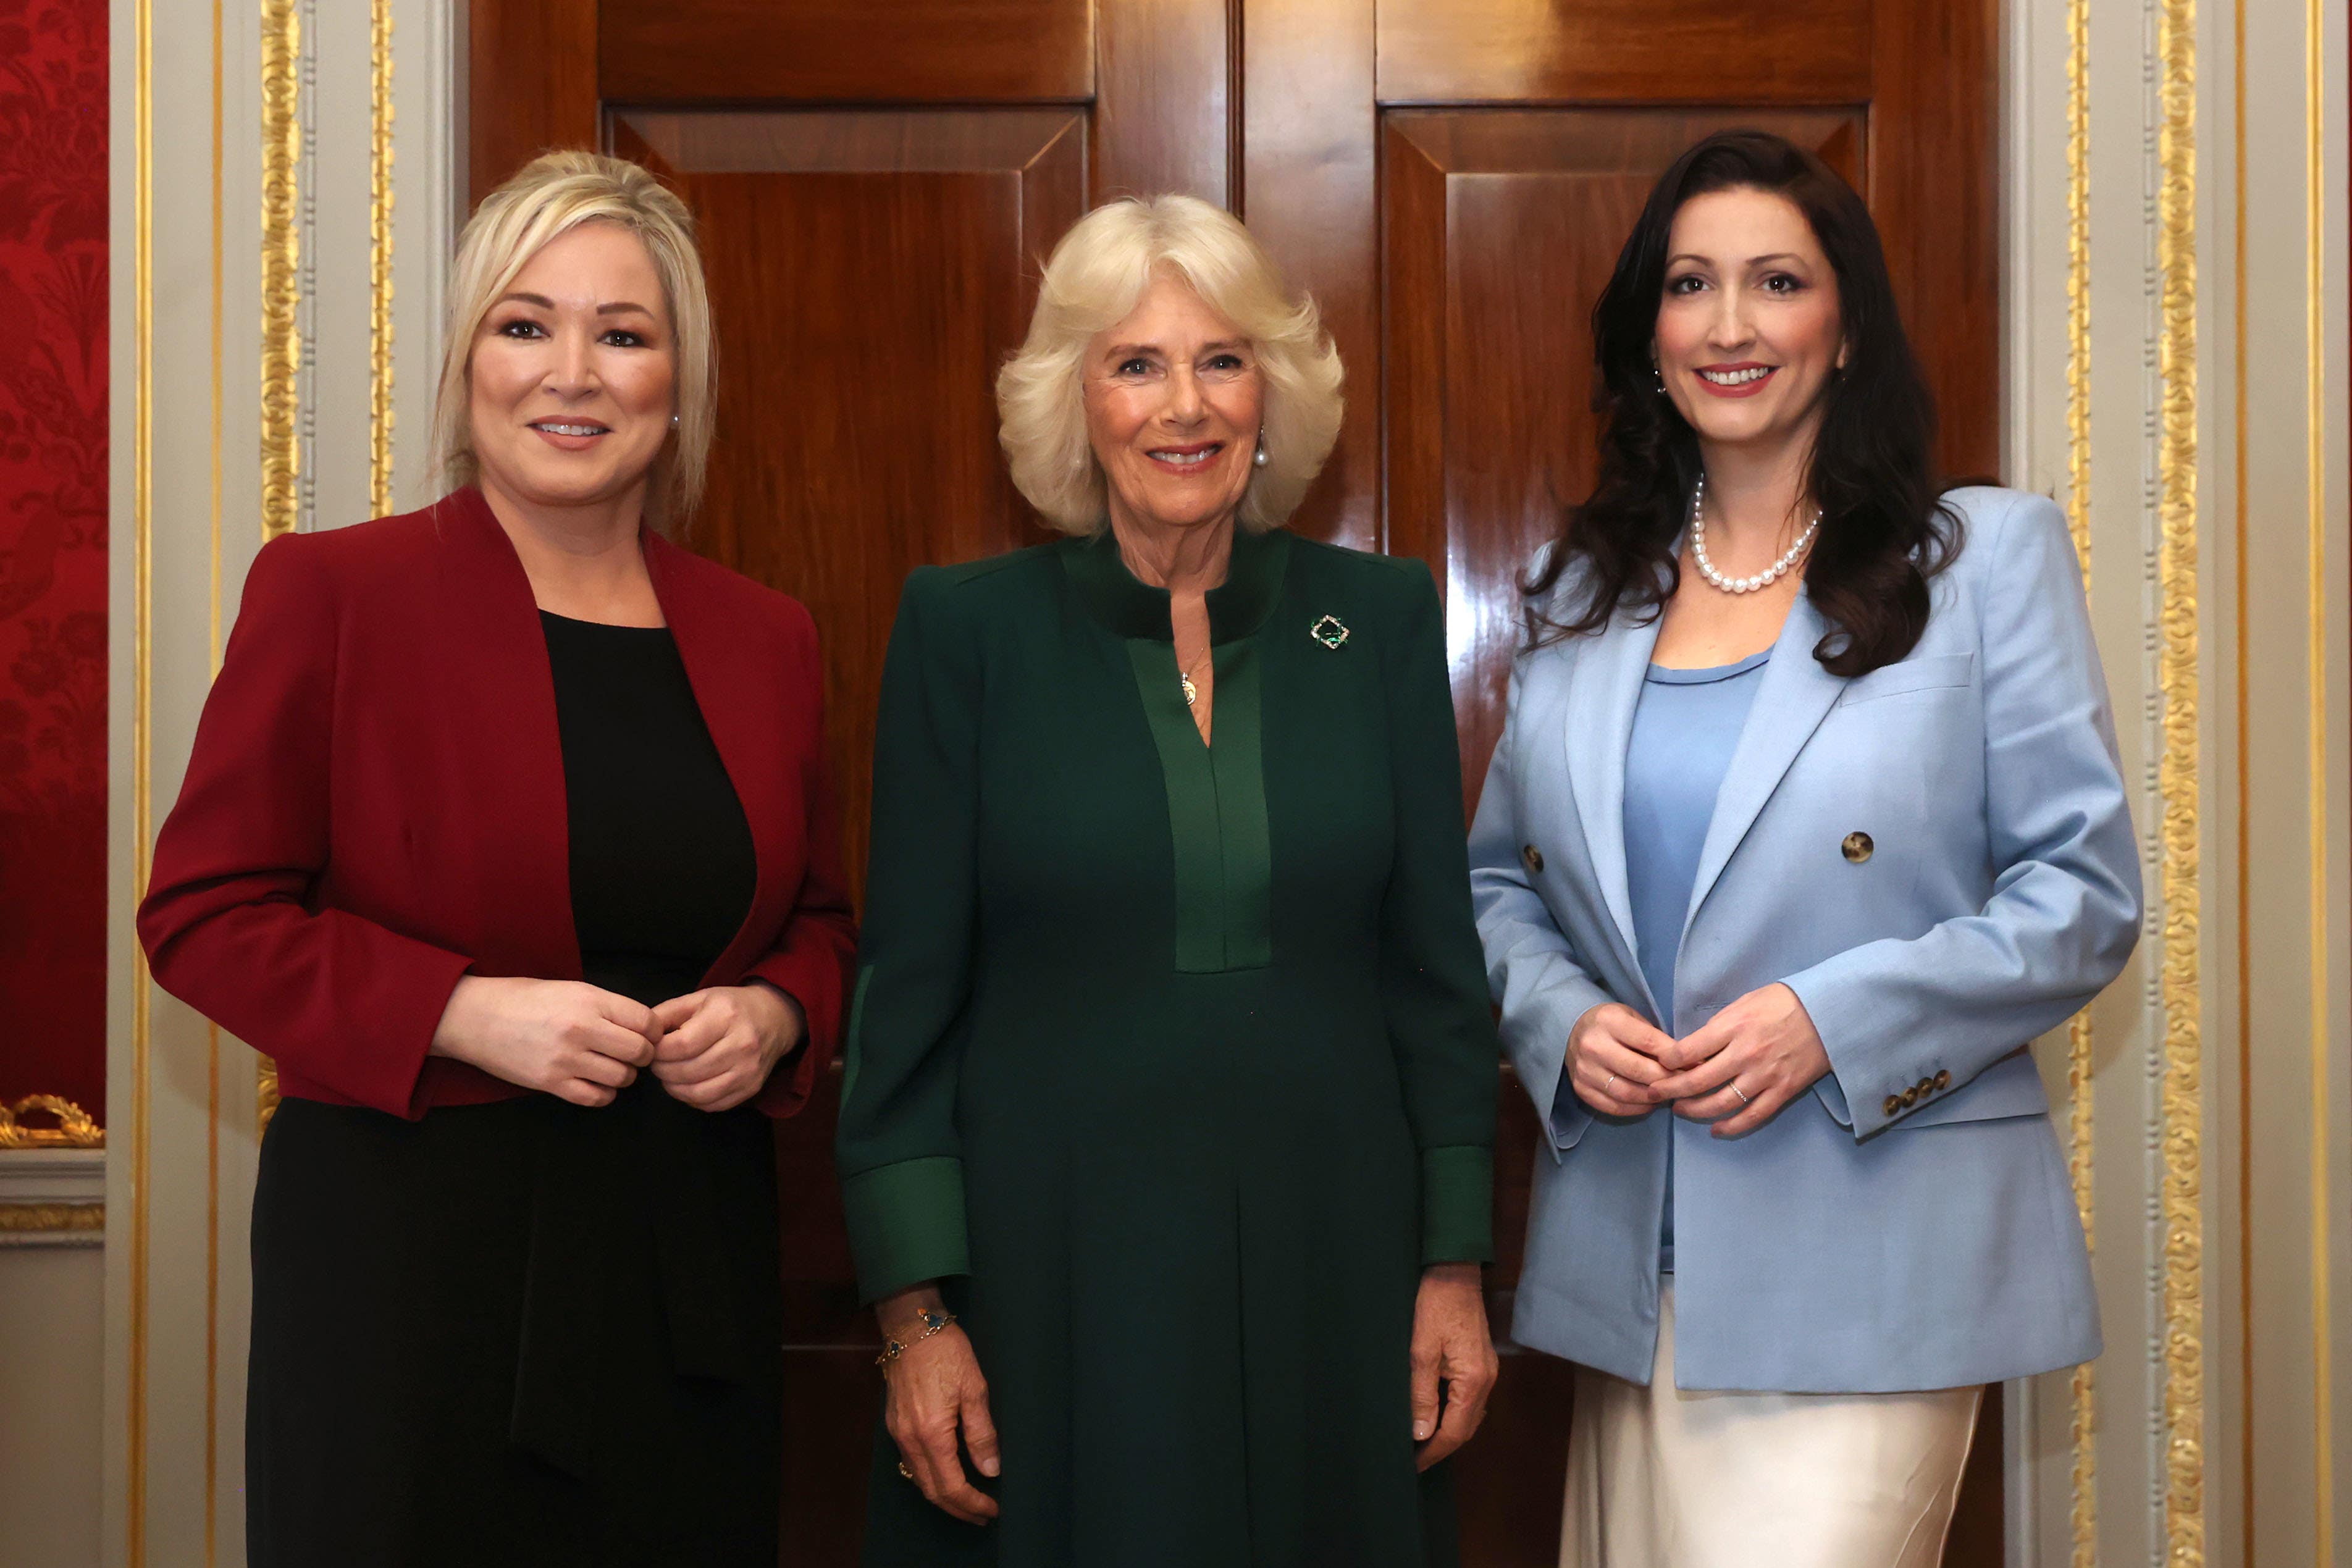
pixel 1805 821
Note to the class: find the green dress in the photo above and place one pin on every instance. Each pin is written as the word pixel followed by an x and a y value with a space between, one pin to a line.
pixel 1172 1062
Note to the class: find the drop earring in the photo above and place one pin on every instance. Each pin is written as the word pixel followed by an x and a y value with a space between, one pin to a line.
pixel 1659 376
pixel 1259 461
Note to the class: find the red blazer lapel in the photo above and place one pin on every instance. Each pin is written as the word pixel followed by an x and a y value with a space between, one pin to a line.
pixel 493 662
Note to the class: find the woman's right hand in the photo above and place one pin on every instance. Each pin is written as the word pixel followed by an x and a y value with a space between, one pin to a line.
pixel 561 1037
pixel 935 1392
pixel 1613 1059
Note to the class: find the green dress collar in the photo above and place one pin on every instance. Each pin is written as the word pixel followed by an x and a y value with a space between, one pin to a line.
pixel 1127 608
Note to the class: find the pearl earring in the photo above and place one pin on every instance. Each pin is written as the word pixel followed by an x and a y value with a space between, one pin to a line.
pixel 1260 459
pixel 672 421
pixel 1658 376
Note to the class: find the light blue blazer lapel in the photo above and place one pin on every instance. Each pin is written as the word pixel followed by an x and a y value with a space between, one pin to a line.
pixel 1603 691
pixel 1795 696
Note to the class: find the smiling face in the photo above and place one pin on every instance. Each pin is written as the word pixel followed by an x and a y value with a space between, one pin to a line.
pixel 573 373
pixel 1174 399
pixel 1749 329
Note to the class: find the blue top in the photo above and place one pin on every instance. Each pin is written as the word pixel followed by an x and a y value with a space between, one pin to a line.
pixel 1685 730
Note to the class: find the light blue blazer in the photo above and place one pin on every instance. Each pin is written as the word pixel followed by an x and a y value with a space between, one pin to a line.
pixel 1909 1224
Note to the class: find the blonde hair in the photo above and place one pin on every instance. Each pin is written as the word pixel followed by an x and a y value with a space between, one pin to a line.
pixel 552 195
pixel 1094 279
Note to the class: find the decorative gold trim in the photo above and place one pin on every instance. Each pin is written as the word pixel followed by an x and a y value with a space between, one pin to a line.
pixel 2078 278
pixel 45 1218
pixel 2178 786
pixel 2244 622
pixel 219 335
pixel 2322 1048
pixel 380 409
pixel 2083 1499
pixel 76 1128
pixel 281 298
pixel 212 1032
pixel 281 257
pixel 142 752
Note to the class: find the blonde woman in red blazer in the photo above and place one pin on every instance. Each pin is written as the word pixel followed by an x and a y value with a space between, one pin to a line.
pixel 507 832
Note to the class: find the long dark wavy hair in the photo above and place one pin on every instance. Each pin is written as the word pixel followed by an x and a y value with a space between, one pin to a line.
pixel 1885 528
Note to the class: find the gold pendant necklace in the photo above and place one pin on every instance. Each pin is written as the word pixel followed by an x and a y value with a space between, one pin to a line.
pixel 1184 679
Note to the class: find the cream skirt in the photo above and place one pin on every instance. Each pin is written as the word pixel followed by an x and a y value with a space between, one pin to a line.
pixel 1659 1478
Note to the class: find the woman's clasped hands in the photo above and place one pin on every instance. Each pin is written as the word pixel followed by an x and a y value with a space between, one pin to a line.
pixel 1737 1069
pixel 710 1049
pixel 718 1046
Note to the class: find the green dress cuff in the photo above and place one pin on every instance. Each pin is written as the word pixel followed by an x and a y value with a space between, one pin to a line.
pixel 906 1224
pixel 1457 1204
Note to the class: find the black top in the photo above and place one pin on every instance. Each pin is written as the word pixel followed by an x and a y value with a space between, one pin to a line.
pixel 662 865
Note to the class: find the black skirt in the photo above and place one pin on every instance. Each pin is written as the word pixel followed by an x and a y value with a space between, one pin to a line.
pixel 516 1334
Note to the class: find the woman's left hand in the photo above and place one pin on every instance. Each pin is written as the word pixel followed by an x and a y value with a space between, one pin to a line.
pixel 718 1046
pixel 1742 1065
pixel 1450 1346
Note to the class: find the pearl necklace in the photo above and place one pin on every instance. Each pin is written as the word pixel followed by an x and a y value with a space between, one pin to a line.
pixel 1764 578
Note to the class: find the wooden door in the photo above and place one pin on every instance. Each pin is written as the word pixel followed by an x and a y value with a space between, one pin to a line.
pixel 878 183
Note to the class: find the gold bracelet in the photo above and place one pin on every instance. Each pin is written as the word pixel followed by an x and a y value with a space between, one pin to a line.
pixel 934 1320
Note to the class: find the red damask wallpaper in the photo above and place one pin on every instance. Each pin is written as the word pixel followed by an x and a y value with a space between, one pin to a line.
pixel 53 304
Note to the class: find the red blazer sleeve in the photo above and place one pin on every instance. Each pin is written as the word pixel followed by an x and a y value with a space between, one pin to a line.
pixel 230 921
pixel 818 946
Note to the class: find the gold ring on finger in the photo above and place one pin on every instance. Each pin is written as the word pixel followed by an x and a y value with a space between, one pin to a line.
pixel 1605 1088
pixel 906 1470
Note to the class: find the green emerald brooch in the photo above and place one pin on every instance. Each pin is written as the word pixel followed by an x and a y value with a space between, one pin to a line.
pixel 1330 632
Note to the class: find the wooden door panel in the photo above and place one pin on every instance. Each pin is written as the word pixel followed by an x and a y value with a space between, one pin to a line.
pixel 530 84
pixel 1310 187
pixel 846 51
pixel 1934 190
pixel 1043 145
pixel 1155 74
pixel 1502 227
pixel 1165 100
pixel 1649 51
pixel 833 1398
pixel 832 1392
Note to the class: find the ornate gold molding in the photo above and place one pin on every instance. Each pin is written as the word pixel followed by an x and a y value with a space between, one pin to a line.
pixel 2243 622
pixel 2179 982
pixel 2078 278
pixel 281 258
pixel 48 1218
pixel 142 766
pixel 281 302
pixel 2083 1501
pixel 76 1128
pixel 380 410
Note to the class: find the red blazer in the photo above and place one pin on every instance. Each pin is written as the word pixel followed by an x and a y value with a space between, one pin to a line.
pixel 374 805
